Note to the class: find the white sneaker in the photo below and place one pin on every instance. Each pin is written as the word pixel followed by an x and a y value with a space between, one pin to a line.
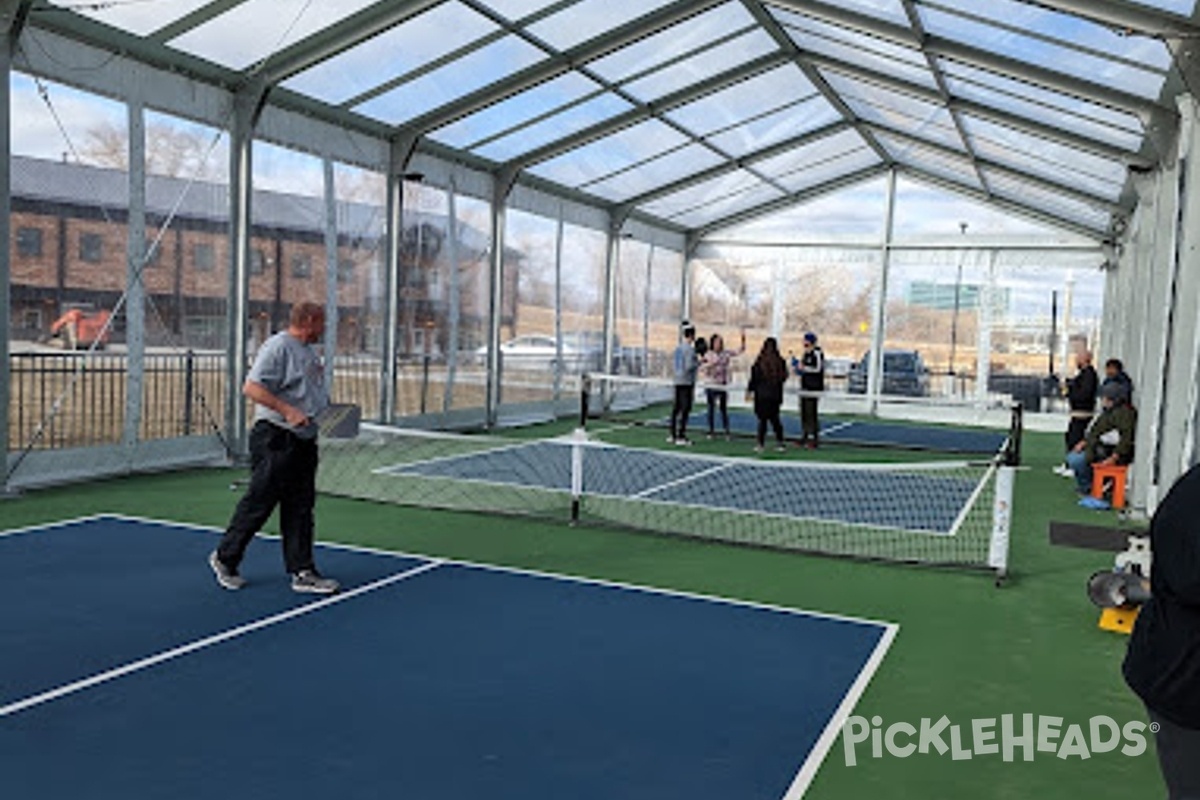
pixel 1064 470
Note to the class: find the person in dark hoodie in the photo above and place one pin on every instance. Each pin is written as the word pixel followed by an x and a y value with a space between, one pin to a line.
pixel 1162 663
pixel 1114 372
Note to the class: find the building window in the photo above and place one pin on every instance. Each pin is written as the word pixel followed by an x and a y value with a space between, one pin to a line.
pixel 258 261
pixel 91 248
pixel 345 271
pixel 301 266
pixel 29 242
pixel 32 319
pixel 203 257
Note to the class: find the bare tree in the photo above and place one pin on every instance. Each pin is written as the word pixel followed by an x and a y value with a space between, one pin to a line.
pixel 171 151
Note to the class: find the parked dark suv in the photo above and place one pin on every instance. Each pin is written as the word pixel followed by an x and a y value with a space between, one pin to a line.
pixel 904 373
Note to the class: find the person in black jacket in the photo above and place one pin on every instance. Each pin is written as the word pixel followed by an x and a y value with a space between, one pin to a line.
pixel 811 369
pixel 1162 664
pixel 1081 395
pixel 767 377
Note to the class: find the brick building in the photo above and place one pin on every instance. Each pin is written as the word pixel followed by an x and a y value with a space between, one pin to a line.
pixel 69 245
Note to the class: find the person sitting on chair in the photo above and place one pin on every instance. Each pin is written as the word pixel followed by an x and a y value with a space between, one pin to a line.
pixel 1109 439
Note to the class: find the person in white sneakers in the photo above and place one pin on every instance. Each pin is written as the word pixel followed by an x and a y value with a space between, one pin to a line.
pixel 287 385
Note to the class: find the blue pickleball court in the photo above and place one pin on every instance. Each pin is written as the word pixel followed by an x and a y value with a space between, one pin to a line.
pixel 128 673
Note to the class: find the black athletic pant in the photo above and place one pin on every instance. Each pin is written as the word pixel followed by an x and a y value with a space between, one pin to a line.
pixel 1177 748
pixel 768 412
pixel 681 410
pixel 808 418
pixel 1076 431
pixel 283 472
pixel 717 399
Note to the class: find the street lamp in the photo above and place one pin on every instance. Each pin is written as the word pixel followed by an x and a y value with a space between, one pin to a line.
pixel 957 293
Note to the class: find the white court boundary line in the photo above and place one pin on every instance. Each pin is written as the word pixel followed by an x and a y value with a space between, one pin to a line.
pixel 808 769
pixel 645 493
pixel 208 641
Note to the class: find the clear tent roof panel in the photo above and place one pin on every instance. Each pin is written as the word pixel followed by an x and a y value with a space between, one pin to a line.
pixel 854 47
pixel 903 113
pixel 957 169
pixel 743 101
pixel 830 169
pixel 728 205
pixel 1040 95
pixel 140 19
pixel 587 19
pixel 673 43
pixel 660 171
pixel 1038 153
pixel 393 53
pixel 253 30
pixel 888 10
pixel 611 154
pixel 476 70
pixel 1049 170
pixel 703 193
pixel 1182 7
pixel 517 10
pixel 1063 120
pixel 811 153
pixel 1070 30
pixel 1029 194
pixel 551 129
pixel 705 64
pixel 1029 49
pixel 793 120
pixel 520 109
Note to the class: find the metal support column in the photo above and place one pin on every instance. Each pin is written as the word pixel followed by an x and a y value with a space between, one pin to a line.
pixel 879 321
pixel 135 260
pixel 331 273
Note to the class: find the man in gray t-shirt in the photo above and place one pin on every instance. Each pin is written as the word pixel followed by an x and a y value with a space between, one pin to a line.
pixel 287 385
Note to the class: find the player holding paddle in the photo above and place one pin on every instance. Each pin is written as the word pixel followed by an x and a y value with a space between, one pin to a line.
pixel 287 385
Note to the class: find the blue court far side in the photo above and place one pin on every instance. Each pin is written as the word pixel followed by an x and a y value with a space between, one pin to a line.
pixel 129 673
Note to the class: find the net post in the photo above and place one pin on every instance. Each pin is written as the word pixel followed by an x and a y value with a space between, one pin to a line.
pixel 585 392
pixel 1012 453
pixel 1001 522
pixel 577 441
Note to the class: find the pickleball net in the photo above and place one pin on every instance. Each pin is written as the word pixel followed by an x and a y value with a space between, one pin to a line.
pixel 945 513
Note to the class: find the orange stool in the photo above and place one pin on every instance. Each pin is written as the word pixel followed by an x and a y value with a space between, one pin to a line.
pixel 1117 474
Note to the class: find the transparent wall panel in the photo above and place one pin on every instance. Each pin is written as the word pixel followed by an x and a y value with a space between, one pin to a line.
pixel 470 304
pixel 361 220
pixel 70 195
pixel 583 272
pixel 529 356
pixel 424 316
pixel 785 292
pixel 664 297
pixel 186 246
pixel 632 332
pixel 1039 307
pixel 926 214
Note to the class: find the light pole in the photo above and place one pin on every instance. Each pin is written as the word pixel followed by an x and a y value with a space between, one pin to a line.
pixel 957 291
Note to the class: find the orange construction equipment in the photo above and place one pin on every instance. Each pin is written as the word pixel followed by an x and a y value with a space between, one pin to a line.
pixel 79 328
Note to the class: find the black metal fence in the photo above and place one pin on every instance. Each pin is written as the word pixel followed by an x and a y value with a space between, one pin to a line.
pixel 63 400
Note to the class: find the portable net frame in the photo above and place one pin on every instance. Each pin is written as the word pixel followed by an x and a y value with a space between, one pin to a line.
pixel 945 513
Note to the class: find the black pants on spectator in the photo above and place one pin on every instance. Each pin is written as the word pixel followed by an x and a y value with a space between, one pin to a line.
pixel 681 410
pixel 768 412
pixel 1177 749
pixel 1076 431
pixel 718 399
pixel 283 471
pixel 808 418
